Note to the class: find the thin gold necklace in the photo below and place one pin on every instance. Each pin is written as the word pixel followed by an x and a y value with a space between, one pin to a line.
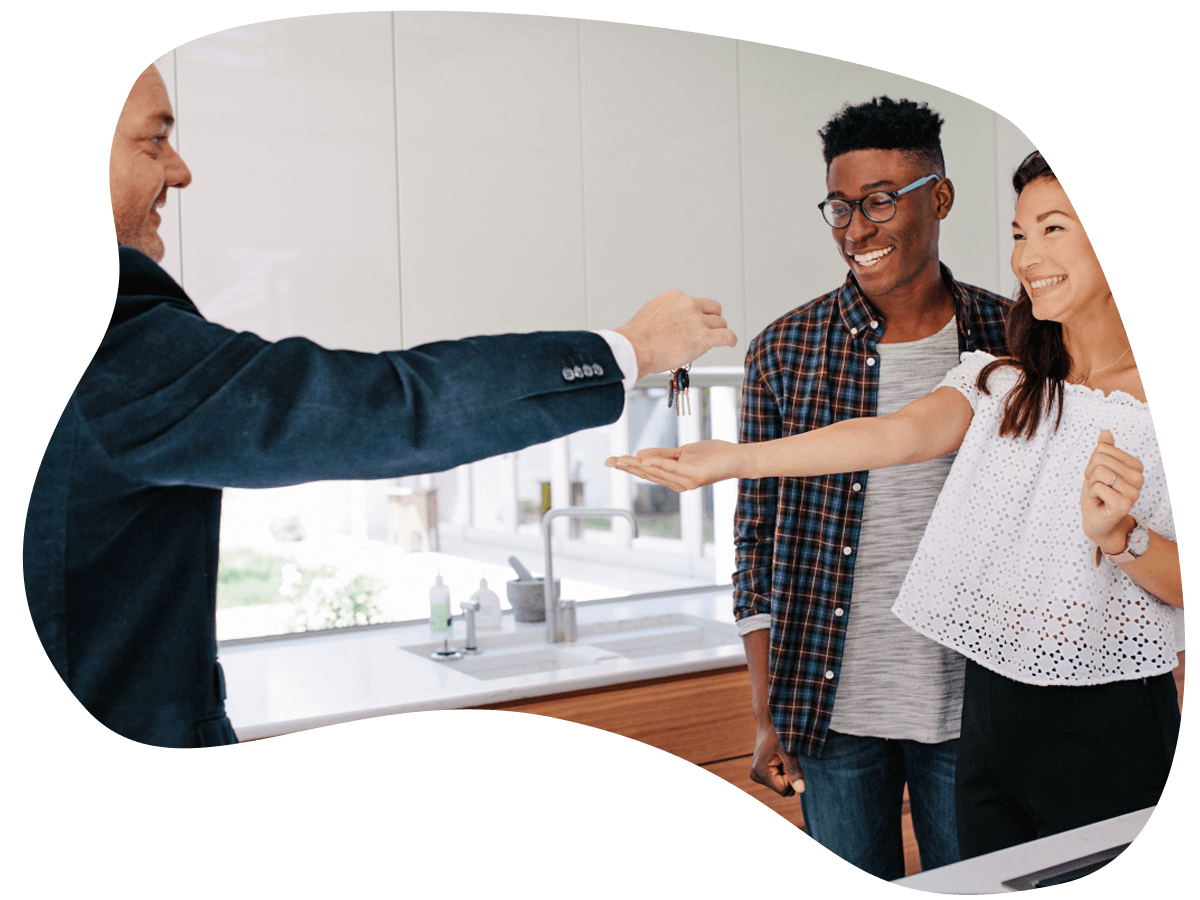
pixel 1082 378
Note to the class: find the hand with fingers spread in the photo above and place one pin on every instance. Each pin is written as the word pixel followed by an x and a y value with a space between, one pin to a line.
pixel 686 467
pixel 1112 482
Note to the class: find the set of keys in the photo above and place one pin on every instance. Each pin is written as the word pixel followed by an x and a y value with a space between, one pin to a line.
pixel 677 392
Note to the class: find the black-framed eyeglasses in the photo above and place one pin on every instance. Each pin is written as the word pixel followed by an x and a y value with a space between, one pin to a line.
pixel 878 207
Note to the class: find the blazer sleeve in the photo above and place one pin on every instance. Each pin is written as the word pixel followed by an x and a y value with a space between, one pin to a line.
pixel 174 399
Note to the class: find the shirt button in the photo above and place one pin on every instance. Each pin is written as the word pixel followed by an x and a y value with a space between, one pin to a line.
pixel 870 361
pixel 568 375
pixel 846 551
pixel 874 323
pixel 856 487
pixel 829 673
pixel 853 331
pixel 838 612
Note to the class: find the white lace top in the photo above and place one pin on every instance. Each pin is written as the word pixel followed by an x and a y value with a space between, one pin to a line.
pixel 1004 573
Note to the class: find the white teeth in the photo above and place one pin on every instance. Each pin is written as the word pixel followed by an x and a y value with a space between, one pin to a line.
pixel 1047 282
pixel 869 259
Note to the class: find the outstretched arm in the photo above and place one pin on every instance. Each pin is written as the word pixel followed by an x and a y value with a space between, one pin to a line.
pixel 927 428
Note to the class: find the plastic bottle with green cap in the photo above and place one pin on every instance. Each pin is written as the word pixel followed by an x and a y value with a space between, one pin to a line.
pixel 439 605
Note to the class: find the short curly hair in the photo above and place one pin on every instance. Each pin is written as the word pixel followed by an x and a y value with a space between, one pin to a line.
pixel 886 124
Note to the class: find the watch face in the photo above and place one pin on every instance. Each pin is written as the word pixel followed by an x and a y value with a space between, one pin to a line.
pixel 1139 540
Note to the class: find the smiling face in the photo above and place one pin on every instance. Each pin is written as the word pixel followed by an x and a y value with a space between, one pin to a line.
pixel 1052 255
pixel 143 165
pixel 901 254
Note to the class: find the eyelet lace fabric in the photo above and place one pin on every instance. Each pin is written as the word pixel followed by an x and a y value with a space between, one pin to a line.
pixel 1005 574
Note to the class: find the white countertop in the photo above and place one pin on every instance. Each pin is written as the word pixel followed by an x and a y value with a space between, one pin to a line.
pixel 987 874
pixel 286 684
pixel 280 685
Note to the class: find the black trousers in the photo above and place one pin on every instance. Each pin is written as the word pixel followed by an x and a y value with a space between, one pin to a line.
pixel 1035 761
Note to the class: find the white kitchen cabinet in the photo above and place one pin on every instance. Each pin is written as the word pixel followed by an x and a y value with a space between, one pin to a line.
pixel 379 180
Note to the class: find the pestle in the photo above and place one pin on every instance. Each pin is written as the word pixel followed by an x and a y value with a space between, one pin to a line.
pixel 527 595
pixel 522 572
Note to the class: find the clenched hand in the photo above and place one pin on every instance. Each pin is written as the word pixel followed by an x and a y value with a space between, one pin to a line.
pixel 673 329
pixel 1112 482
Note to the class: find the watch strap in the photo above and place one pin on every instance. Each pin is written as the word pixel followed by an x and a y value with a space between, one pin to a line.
pixel 1126 555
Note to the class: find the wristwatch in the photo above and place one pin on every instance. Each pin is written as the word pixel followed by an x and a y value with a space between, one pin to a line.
pixel 1136 545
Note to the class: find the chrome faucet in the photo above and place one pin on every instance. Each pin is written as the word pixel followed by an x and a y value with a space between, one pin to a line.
pixel 560 615
pixel 469 608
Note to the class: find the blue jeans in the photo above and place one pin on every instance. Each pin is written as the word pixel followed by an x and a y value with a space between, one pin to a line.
pixel 854 792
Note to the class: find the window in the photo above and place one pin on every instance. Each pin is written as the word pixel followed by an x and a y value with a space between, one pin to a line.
pixel 337 554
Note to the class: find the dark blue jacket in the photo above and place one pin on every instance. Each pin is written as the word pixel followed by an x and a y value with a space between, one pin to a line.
pixel 120 552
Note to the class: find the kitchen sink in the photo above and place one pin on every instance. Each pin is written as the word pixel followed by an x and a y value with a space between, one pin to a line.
pixel 505 662
pixel 526 652
pixel 668 639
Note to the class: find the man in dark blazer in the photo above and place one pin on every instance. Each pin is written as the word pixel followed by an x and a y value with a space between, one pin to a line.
pixel 121 539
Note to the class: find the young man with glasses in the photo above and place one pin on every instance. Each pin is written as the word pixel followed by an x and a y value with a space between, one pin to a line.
pixel 851 704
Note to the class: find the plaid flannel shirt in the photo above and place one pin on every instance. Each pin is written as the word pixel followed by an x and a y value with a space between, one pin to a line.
pixel 796 537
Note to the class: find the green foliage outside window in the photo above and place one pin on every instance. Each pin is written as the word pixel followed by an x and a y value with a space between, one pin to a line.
pixel 320 598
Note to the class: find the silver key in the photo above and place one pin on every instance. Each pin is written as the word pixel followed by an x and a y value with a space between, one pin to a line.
pixel 680 382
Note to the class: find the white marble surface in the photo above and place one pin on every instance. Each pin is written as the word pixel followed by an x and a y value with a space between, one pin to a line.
pixel 986 874
pixel 281 685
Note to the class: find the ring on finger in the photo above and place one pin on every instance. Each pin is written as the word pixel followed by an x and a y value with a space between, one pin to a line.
pixel 1113 481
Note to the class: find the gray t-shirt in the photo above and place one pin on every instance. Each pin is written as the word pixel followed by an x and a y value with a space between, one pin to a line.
pixel 894 682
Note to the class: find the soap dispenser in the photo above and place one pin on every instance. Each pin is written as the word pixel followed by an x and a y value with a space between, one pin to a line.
pixel 439 605
pixel 489 606
pixel 439 619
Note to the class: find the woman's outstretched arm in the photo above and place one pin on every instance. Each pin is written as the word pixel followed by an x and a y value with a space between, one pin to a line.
pixel 927 428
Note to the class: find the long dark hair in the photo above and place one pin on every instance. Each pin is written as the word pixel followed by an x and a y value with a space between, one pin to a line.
pixel 1035 346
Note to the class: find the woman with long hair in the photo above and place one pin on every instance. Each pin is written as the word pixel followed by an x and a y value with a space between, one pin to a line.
pixel 1049 561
